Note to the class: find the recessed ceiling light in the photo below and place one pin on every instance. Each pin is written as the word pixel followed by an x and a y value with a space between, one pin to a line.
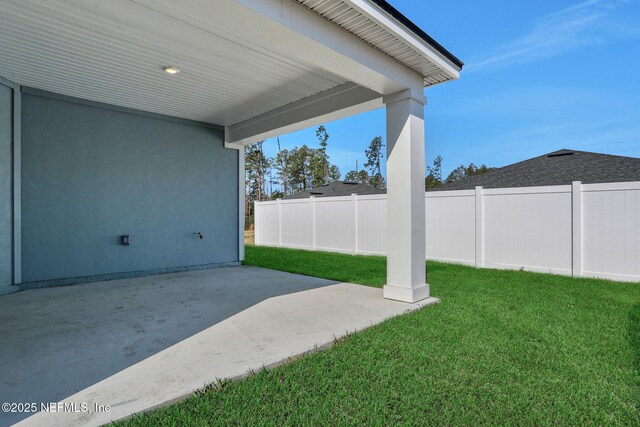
pixel 170 70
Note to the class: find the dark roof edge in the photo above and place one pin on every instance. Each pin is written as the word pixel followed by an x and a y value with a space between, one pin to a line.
pixel 418 31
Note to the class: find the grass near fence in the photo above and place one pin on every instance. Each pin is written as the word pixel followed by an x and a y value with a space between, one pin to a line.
pixel 503 347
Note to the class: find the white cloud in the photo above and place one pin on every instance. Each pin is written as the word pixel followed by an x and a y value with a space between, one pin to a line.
pixel 554 34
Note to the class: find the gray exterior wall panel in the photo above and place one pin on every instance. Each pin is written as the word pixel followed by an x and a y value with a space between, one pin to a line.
pixel 6 180
pixel 90 174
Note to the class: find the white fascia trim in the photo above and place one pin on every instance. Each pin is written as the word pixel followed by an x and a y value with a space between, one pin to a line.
pixel 342 101
pixel 387 22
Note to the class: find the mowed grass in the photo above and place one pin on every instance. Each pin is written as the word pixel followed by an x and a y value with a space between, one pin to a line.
pixel 502 348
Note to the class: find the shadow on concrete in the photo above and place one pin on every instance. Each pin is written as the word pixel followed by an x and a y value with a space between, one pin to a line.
pixel 57 341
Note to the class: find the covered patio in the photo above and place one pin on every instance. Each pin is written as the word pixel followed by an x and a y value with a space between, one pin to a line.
pixel 134 344
pixel 252 69
pixel 123 128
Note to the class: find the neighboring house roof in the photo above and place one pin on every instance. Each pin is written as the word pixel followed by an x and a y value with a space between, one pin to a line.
pixel 558 168
pixel 338 188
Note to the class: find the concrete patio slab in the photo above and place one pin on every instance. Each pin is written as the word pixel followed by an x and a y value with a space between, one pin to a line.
pixel 138 343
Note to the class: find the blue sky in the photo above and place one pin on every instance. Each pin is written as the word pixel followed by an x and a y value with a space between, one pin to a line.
pixel 538 76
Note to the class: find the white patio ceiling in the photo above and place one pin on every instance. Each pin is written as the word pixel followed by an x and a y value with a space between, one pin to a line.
pixel 112 51
pixel 245 64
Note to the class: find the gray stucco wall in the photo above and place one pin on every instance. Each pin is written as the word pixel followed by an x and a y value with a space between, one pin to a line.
pixel 92 173
pixel 6 205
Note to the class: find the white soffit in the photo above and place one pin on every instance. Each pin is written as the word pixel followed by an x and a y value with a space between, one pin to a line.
pixel 375 27
pixel 112 52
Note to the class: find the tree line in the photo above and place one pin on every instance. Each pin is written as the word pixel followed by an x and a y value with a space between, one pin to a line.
pixel 302 168
pixel 434 173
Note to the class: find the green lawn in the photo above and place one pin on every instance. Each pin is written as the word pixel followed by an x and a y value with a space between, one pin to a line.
pixel 503 347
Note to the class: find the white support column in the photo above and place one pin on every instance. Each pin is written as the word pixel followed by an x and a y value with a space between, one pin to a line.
pixel 576 228
pixel 241 205
pixel 479 228
pixel 406 240
pixel 241 194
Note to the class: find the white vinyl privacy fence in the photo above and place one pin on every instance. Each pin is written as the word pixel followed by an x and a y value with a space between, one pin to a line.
pixel 580 229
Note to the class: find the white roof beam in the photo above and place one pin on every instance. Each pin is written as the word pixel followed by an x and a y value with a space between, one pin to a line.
pixel 342 101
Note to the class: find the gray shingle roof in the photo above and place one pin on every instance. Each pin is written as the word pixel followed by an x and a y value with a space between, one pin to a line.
pixel 558 168
pixel 338 188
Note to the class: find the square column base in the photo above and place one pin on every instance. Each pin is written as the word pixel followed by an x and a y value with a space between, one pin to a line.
pixel 403 294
